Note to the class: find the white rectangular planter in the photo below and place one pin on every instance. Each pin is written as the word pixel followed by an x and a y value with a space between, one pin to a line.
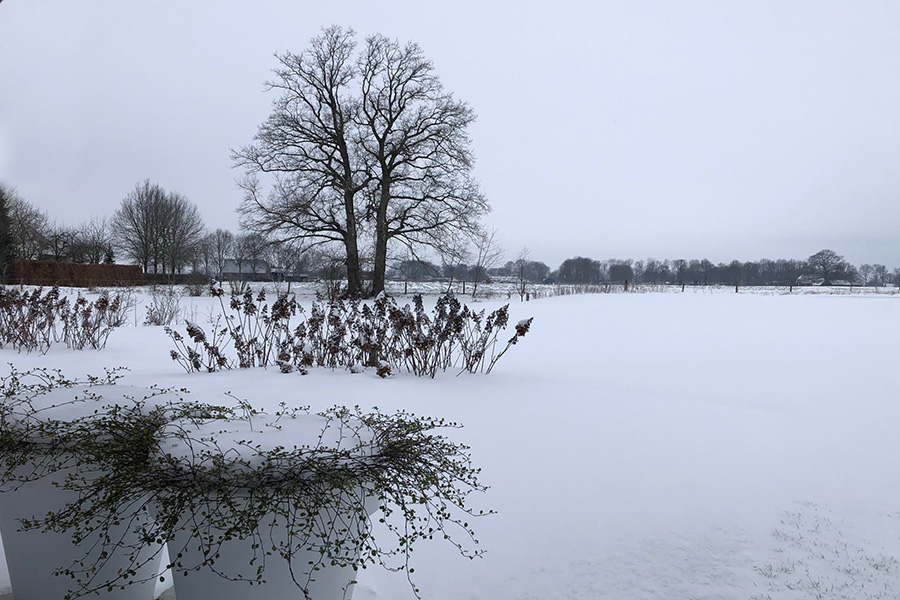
pixel 326 582
pixel 32 556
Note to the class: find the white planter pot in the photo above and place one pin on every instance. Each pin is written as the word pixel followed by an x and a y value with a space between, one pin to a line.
pixel 283 581
pixel 32 556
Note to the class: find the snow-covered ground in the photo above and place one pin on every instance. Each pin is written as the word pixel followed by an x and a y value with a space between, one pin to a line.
pixel 705 445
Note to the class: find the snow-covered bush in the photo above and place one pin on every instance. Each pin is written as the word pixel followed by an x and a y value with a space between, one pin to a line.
pixel 34 320
pixel 346 333
pixel 195 284
pixel 164 307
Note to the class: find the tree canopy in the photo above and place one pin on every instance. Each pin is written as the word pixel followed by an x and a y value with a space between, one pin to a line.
pixel 158 230
pixel 364 150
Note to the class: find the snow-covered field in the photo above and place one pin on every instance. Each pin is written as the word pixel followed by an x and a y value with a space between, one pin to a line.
pixel 705 445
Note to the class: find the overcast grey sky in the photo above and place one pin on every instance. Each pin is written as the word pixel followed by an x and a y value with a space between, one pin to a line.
pixel 610 129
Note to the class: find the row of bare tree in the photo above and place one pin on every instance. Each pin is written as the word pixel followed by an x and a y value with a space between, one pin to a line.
pixel 29 233
pixel 163 232
pixel 365 156
pixel 825 267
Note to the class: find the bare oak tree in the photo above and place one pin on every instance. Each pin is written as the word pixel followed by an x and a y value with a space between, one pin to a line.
pixel 182 230
pixel 220 243
pixel 28 227
pixel 488 253
pixel 59 242
pixel 135 224
pixel 866 271
pixel 415 135
pixel 309 144
pixel 880 273
pixel 520 265
pixel 157 229
pixel 253 248
pixel 239 252
pixel 93 242
pixel 362 148
pixel 827 264
pixel 454 253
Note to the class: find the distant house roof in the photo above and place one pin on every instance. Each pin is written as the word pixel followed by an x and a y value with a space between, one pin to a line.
pixel 816 280
pixel 809 280
pixel 247 266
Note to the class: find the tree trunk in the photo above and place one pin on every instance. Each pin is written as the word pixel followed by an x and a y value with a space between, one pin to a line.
pixel 381 241
pixel 354 273
pixel 351 245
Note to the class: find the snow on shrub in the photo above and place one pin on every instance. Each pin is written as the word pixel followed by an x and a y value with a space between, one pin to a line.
pixel 164 307
pixel 346 333
pixel 33 320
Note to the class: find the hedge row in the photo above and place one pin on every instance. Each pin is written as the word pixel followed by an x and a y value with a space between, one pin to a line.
pixel 48 273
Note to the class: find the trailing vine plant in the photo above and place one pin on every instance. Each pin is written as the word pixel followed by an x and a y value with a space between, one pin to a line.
pixel 363 490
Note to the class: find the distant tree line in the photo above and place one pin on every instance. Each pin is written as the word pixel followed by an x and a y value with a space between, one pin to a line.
pixel 423 270
pixel 163 232
pixel 160 230
pixel 29 234
pixel 825 267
